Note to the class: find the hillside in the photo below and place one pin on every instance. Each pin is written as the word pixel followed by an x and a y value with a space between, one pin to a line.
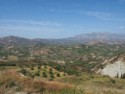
pixel 90 38
pixel 42 66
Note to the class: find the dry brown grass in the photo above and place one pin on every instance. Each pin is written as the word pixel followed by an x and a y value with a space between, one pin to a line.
pixel 97 84
pixel 13 80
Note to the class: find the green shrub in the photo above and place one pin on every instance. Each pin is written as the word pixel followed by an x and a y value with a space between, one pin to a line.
pixel 123 76
pixel 52 75
pixel 32 68
pixel 58 74
pixel 72 72
pixel 64 74
pixel 44 74
pixel 45 66
pixel 37 73
pixel 39 67
pixel 58 67
pixel 113 81
pixel 23 71
pixel 31 75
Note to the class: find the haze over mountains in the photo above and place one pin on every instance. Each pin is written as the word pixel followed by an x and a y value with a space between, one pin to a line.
pixel 90 38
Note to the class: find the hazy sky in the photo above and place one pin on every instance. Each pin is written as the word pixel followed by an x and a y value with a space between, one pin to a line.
pixel 60 18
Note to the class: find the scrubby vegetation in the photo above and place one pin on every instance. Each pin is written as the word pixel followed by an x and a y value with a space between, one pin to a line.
pixel 12 82
pixel 57 69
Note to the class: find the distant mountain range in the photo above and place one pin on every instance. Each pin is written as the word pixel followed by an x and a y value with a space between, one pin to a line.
pixel 91 38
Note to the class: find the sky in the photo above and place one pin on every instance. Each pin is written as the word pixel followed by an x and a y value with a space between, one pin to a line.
pixel 60 18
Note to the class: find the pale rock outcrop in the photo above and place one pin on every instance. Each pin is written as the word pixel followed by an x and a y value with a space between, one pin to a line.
pixel 114 67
